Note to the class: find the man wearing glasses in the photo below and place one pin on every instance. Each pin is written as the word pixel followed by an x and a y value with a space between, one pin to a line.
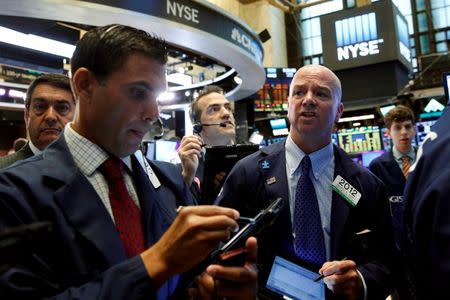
pixel 49 106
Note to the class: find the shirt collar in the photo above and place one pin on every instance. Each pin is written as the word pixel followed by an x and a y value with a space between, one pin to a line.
pixel 398 154
pixel 319 159
pixel 88 156
pixel 34 149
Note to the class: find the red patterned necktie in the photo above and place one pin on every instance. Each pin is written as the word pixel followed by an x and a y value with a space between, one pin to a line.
pixel 405 165
pixel 126 213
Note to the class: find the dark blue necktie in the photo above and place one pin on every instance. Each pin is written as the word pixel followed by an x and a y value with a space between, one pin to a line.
pixel 309 243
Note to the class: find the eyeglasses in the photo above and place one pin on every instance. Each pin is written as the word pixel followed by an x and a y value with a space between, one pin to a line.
pixel 39 107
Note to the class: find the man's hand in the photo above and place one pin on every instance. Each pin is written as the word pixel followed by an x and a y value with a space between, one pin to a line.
pixel 195 232
pixel 189 152
pixel 342 278
pixel 238 283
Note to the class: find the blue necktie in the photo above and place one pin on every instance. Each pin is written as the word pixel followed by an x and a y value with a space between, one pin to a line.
pixel 309 243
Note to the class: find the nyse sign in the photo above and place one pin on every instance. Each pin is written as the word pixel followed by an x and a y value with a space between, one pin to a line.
pixel 357 37
pixel 359 49
pixel 182 11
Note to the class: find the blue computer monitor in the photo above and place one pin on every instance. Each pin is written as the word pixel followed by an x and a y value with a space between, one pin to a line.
pixel 367 157
pixel 422 129
pixel 167 151
pixel 279 127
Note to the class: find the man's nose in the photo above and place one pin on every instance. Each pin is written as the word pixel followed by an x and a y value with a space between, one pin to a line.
pixel 51 115
pixel 151 110
pixel 309 99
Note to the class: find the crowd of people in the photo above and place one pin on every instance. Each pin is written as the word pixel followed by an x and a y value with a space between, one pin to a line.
pixel 125 227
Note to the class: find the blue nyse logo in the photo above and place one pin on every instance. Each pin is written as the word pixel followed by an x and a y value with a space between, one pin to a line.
pixel 357 36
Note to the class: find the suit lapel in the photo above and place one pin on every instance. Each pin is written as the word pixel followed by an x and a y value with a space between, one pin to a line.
pixel 85 211
pixel 25 152
pixel 340 208
pixel 80 203
pixel 146 194
pixel 393 168
pixel 273 169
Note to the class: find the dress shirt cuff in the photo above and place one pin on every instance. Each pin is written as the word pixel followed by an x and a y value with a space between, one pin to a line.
pixel 364 284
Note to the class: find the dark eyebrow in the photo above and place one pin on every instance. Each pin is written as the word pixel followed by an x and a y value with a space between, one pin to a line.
pixel 142 84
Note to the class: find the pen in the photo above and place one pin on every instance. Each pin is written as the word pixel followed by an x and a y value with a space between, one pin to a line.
pixel 322 276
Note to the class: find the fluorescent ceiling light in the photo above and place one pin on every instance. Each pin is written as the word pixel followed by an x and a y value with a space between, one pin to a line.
pixel 356 118
pixel 12 106
pixel 2 92
pixel 16 94
pixel 35 42
pixel 181 79
pixel 166 96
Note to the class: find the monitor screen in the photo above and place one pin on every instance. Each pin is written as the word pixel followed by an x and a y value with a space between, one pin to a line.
pixel 167 151
pixel 279 127
pixel 422 129
pixel 387 141
pixel 367 157
pixel 446 80
pixel 360 139
pixel 149 149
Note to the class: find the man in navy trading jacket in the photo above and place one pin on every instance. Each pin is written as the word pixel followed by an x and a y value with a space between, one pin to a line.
pixel 392 167
pixel 116 231
pixel 336 218
pixel 426 231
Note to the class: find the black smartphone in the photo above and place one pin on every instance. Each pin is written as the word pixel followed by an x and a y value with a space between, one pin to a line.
pixel 232 252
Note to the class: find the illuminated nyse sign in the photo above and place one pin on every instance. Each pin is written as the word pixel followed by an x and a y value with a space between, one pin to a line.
pixel 368 35
pixel 357 36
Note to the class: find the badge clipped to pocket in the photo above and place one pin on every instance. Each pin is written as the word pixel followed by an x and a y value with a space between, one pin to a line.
pixel 346 190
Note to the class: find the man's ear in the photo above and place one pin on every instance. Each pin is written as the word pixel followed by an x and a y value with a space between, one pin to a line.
pixel 388 132
pixel 83 83
pixel 26 116
pixel 340 110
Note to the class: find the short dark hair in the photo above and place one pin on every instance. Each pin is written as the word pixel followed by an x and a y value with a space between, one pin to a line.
pixel 56 80
pixel 194 111
pixel 400 113
pixel 103 50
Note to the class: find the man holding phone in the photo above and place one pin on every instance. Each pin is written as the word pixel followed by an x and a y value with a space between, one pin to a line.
pixel 116 233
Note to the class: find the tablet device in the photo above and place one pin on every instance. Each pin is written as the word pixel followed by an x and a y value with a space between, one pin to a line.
pixel 221 159
pixel 292 281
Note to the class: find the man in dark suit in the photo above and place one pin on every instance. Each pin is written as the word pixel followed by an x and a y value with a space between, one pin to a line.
pixel 392 166
pixel 214 125
pixel 425 237
pixel 117 232
pixel 49 106
pixel 350 205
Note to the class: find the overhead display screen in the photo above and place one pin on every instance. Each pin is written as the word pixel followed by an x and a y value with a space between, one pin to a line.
pixel 365 35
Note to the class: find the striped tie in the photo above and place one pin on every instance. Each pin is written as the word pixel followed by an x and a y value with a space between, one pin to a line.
pixel 405 165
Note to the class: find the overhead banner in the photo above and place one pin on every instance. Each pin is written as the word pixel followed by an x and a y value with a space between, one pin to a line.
pixel 366 35
pixel 198 16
